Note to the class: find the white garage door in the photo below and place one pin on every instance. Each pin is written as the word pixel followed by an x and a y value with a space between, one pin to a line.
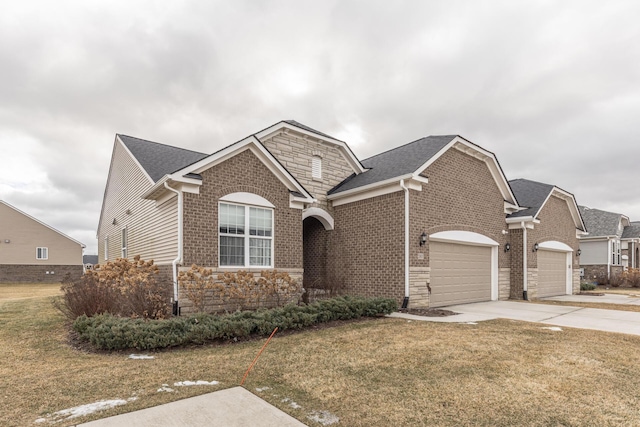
pixel 459 273
pixel 552 273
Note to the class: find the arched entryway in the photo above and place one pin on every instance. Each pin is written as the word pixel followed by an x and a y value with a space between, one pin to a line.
pixel 316 228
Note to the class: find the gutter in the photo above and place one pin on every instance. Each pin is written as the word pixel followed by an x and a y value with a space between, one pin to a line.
pixel 405 302
pixel 174 263
pixel 525 249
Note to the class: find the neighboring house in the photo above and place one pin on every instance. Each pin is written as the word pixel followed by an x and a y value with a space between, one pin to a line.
pixel 89 261
pixel 611 245
pixel 424 223
pixel 548 230
pixel 33 252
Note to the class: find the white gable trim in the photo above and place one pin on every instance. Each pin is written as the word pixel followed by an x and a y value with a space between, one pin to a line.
pixel 571 203
pixel 249 143
pixel 321 215
pixel 42 223
pixel 412 182
pixel 341 145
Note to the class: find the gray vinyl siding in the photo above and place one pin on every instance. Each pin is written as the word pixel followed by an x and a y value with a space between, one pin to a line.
pixel 152 229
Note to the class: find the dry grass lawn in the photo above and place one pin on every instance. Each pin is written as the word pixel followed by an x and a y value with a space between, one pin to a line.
pixel 370 373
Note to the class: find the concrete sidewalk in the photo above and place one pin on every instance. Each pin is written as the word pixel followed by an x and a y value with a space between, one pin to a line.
pixel 233 407
pixel 625 322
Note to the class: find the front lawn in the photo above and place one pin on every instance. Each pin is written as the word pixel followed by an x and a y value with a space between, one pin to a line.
pixel 366 373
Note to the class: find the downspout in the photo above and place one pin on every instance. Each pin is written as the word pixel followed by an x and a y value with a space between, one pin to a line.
pixel 405 302
pixel 174 263
pixel 525 272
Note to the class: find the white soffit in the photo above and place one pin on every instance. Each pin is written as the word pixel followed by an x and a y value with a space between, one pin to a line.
pixel 459 236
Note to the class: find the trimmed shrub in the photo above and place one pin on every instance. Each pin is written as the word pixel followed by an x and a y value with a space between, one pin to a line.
pixel 631 278
pixel 107 332
pixel 586 286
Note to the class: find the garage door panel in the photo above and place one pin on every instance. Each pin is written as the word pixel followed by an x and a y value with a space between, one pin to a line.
pixel 552 273
pixel 459 273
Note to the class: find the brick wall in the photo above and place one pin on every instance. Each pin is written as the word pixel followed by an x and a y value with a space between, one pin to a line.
pixel 315 253
pixel 241 173
pixel 366 249
pixel 555 224
pixel 16 273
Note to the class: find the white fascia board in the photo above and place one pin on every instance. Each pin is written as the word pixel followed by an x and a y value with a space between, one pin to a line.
pixel 481 154
pixel 595 238
pixel 412 182
pixel 554 245
pixel 253 144
pixel 42 223
pixel 351 158
pixel 518 222
pixel 377 191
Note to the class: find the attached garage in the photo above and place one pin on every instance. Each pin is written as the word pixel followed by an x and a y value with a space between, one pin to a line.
pixel 462 271
pixel 552 273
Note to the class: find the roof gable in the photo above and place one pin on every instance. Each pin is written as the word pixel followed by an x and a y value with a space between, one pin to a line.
pixel 632 231
pixel 601 223
pixel 533 195
pixel 41 223
pixel 414 158
pixel 158 160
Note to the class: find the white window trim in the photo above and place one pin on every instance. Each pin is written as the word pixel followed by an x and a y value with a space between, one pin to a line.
pixel 247 236
pixel 124 249
pixel 44 250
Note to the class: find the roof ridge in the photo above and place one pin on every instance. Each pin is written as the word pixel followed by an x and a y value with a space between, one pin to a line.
pixel 407 144
pixel 160 143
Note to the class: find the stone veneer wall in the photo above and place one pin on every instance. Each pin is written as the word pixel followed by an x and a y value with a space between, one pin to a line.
pixel 532 283
pixel 592 272
pixel 29 273
pixel 419 281
pixel 216 306
pixel 504 283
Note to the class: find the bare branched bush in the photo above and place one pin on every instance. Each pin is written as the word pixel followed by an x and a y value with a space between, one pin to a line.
pixel 197 283
pixel 278 285
pixel 122 288
pixel 242 289
pixel 631 278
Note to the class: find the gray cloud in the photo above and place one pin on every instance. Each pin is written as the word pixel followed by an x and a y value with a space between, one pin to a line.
pixel 551 88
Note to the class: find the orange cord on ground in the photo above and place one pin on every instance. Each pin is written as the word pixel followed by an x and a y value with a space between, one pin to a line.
pixel 258 355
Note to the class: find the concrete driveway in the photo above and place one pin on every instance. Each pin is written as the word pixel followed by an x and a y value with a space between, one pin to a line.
pixel 625 322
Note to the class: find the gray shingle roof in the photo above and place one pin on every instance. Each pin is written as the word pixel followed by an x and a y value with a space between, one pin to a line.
pixel 157 159
pixel 530 195
pixel 600 223
pixel 307 128
pixel 397 162
pixel 90 259
pixel 632 231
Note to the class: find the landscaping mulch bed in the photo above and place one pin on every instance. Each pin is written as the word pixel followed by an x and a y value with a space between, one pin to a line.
pixel 429 312
pixel 595 294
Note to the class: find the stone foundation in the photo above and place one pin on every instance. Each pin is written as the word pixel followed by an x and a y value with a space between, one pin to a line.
pixel 419 280
pixel 504 283
pixel 213 305
pixel 21 273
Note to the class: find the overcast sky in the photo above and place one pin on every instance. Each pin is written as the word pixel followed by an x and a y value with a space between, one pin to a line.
pixel 551 87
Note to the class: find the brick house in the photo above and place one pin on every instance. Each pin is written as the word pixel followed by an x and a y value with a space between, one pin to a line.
pixel 425 223
pixel 544 239
pixel 612 245
pixel 33 252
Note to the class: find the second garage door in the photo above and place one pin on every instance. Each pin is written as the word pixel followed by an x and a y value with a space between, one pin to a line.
pixel 459 273
pixel 552 273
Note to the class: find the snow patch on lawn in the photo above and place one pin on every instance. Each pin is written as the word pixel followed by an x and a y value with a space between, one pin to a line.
pixel 165 387
pixel 471 323
pixel 325 418
pixel 192 383
pixel 141 356
pixel 260 390
pixel 553 328
pixel 82 410
pixel 293 404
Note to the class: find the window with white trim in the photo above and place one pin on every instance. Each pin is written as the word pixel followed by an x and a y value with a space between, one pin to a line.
pixel 316 167
pixel 615 252
pixel 42 253
pixel 245 235
pixel 125 242
pixel 106 248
